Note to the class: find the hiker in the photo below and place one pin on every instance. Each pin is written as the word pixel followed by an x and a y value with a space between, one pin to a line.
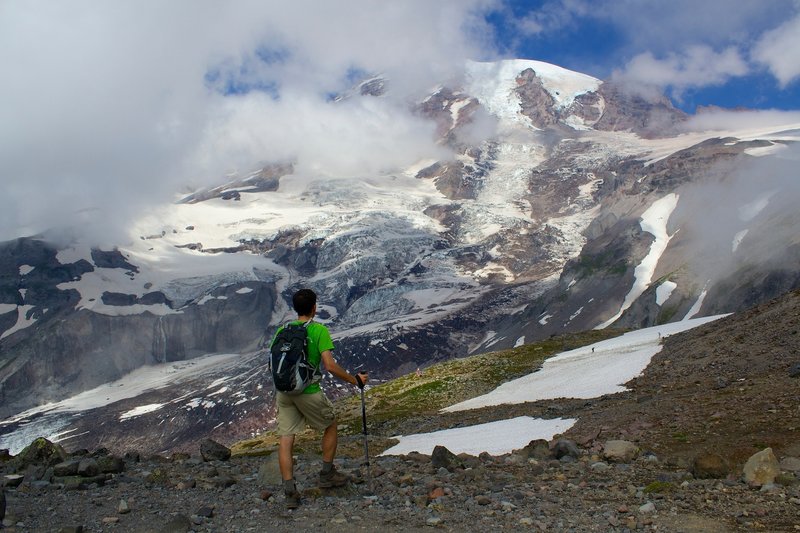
pixel 311 407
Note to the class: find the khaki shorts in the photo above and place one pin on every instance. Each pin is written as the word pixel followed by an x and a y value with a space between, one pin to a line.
pixel 295 412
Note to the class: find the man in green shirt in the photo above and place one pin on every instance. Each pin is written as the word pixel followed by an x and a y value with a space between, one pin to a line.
pixel 312 407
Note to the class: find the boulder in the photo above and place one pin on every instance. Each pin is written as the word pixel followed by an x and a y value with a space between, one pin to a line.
pixel 39 452
pixel 110 464
pixel 67 468
pixel 444 458
pixel 537 449
pixel 269 474
pixel 213 451
pixel 710 466
pixel 88 468
pixel 762 468
pixel 790 464
pixel 620 451
pixel 566 448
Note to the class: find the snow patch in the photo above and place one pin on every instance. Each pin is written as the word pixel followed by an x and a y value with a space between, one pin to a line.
pixel 244 290
pixel 664 291
pixel 495 438
pixel 765 150
pixel 654 221
pixel 24 270
pixel 587 372
pixel 22 320
pixel 141 410
pixel 737 240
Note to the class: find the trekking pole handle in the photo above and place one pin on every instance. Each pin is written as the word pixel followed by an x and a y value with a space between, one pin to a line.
pixel 359 381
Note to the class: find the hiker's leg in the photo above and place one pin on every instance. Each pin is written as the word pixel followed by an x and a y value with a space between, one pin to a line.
pixel 285 449
pixel 329 442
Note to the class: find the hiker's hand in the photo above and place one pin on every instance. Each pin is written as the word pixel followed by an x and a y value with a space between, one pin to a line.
pixel 361 379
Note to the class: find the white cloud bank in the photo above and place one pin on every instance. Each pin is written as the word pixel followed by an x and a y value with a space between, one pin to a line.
pixel 110 106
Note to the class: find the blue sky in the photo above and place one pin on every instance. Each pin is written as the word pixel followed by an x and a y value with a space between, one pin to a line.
pixel 107 107
pixel 761 40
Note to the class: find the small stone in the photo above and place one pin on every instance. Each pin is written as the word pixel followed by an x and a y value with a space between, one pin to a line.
pixel 123 507
pixel 599 466
pixel 110 519
pixel 433 521
pixel 13 480
pixel 710 466
pixel 790 464
pixel 482 500
pixel 265 495
pixel 620 451
pixel 647 508
pixel 436 493
pixel 206 512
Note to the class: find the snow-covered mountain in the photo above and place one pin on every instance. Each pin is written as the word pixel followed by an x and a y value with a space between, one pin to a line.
pixel 568 204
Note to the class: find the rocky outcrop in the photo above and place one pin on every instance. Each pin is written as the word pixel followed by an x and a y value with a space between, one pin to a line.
pixel 265 179
pixel 625 110
pixel 97 348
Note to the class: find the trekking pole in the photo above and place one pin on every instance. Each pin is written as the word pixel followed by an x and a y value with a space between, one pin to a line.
pixel 364 426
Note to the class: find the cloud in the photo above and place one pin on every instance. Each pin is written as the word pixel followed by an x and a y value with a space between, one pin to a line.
pixel 108 107
pixel 732 121
pixel 779 49
pixel 680 44
pixel 696 66
pixel 552 17
pixel 746 218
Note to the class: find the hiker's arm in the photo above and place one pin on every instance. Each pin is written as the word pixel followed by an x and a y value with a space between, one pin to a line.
pixel 333 367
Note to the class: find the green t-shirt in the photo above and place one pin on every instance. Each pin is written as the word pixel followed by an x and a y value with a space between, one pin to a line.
pixel 319 340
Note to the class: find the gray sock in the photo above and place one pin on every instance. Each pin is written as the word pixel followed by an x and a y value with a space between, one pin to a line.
pixel 289 486
pixel 327 467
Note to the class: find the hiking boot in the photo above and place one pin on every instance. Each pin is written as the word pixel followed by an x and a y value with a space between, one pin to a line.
pixel 334 478
pixel 292 500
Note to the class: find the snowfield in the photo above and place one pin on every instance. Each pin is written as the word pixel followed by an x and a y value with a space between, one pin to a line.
pixel 587 372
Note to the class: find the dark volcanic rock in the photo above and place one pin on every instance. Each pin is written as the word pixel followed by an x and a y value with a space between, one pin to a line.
pixel 213 451
pixel 111 259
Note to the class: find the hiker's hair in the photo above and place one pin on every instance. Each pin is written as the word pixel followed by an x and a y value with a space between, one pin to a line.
pixel 304 301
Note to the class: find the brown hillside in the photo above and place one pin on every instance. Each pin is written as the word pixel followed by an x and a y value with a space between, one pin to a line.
pixel 725 387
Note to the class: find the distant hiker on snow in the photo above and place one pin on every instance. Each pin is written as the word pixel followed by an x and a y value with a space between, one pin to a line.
pixel 300 399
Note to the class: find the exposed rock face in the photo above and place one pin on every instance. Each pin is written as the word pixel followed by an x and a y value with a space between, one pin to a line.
pixel 537 104
pixel 265 179
pixel 627 111
pixel 94 348
pixel 456 181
